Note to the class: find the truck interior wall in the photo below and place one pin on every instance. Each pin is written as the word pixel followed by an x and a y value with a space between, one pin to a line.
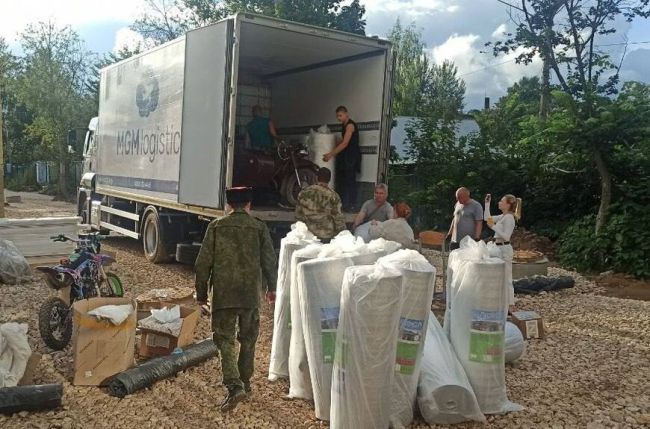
pixel 308 99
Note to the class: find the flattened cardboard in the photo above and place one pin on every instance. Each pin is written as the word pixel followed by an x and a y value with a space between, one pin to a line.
pixel 529 323
pixel 101 349
pixel 153 343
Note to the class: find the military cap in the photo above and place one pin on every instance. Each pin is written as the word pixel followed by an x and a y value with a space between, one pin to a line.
pixel 239 195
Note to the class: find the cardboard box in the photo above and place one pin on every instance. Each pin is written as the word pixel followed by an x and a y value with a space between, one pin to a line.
pixel 145 306
pixel 529 323
pixel 153 343
pixel 101 349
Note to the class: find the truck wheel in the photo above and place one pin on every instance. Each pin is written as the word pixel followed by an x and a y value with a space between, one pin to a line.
pixel 291 189
pixel 186 253
pixel 153 240
pixel 82 209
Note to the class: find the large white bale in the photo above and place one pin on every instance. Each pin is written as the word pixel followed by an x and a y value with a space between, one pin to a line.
pixel 445 396
pixel 321 142
pixel 364 367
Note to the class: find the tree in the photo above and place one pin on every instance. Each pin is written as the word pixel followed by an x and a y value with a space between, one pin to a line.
pixel 168 19
pixel 53 86
pixel 584 71
pixel 411 69
pixel 443 93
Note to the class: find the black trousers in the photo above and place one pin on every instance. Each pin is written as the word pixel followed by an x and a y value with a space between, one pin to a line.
pixel 347 185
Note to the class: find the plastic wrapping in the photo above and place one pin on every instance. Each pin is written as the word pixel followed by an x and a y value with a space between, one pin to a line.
pixel 116 314
pixel 14 353
pixel 14 268
pixel 515 345
pixel 298 238
pixel 445 395
pixel 299 377
pixel 157 369
pixel 364 366
pixel 30 398
pixel 418 277
pixel 477 306
pixel 321 142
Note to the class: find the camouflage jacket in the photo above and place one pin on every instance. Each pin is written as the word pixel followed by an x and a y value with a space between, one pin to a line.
pixel 319 208
pixel 237 252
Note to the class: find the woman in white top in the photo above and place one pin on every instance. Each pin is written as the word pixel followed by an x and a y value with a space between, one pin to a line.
pixel 503 225
pixel 396 229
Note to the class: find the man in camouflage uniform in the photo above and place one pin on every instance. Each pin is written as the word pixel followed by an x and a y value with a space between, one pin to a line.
pixel 236 253
pixel 319 208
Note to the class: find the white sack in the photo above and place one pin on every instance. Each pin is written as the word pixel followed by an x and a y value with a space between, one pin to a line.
pixel 363 231
pixel 320 143
pixel 299 378
pixel 445 396
pixel 418 277
pixel 364 367
pixel 117 314
pixel 383 245
pixel 477 323
pixel 515 344
pixel 14 268
pixel 14 353
pixel 298 238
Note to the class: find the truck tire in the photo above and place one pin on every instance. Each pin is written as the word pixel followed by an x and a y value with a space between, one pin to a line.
pixel 153 239
pixel 186 253
pixel 291 189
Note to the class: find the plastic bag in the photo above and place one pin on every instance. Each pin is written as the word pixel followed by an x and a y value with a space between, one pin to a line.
pixel 14 353
pixel 515 345
pixel 445 395
pixel 418 277
pixel 364 366
pixel 14 268
pixel 298 238
pixel 477 306
pixel 363 231
pixel 299 377
pixel 117 314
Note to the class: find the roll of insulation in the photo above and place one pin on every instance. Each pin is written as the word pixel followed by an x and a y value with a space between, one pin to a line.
pixel 279 363
pixel 418 278
pixel 444 394
pixel 299 378
pixel 363 375
pixel 515 345
pixel 320 144
pixel 320 293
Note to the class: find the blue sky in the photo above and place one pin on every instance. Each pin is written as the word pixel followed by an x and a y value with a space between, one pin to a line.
pixel 452 29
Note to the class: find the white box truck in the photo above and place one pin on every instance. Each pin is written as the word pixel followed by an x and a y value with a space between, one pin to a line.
pixel 162 151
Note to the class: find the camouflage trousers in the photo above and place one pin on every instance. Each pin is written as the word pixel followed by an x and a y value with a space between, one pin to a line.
pixel 243 324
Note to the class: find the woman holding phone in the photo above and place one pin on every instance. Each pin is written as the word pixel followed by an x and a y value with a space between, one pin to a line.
pixel 503 225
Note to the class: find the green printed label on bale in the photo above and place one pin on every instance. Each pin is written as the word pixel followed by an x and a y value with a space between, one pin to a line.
pixel 407 354
pixel 486 347
pixel 329 346
pixel 329 322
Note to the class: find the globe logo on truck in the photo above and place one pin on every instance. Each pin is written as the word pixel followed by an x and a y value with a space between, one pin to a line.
pixel 146 94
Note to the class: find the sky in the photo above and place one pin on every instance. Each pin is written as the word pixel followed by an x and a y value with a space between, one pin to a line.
pixel 454 30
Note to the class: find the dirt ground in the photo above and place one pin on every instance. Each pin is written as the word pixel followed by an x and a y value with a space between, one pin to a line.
pixel 591 371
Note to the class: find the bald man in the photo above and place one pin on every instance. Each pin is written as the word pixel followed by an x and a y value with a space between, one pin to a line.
pixel 468 219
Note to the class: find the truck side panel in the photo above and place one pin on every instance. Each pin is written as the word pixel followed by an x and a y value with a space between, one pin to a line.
pixel 205 114
pixel 139 132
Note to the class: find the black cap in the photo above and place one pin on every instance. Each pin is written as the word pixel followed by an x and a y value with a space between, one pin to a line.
pixel 239 195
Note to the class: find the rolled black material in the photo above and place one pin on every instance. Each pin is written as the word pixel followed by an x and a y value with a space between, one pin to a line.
pixel 30 398
pixel 156 369
pixel 537 284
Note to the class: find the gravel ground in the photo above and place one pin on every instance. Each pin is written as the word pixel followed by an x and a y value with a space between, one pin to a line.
pixel 591 371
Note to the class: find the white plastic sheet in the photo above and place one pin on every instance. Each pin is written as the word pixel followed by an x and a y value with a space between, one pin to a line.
pixel 299 377
pixel 363 374
pixel 418 277
pixel 14 353
pixel 445 395
pixel 321 142
pixel 477 309
pixel 298 238
pixel 117 314
pixel 515 345
pixel 14 268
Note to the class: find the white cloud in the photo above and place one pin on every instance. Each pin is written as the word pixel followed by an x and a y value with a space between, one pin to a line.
pixel 125 37
pixel 501 30
pixel 410 8
pixel 17 14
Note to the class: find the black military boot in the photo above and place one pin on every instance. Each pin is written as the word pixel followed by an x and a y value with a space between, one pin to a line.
pixel 235 396
pixel 248 389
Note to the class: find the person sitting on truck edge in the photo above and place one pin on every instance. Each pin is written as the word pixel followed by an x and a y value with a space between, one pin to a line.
pixel 348 162
pixel 378 208
pixel 236 253
pixel 319 207
pixel 260 132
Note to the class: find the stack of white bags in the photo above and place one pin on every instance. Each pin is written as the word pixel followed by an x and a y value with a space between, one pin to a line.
pixel 354 332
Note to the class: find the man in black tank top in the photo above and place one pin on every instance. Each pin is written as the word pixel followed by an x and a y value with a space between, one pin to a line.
pixel 348 159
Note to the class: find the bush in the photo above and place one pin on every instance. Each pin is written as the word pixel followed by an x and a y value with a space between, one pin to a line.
pixel 622 246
